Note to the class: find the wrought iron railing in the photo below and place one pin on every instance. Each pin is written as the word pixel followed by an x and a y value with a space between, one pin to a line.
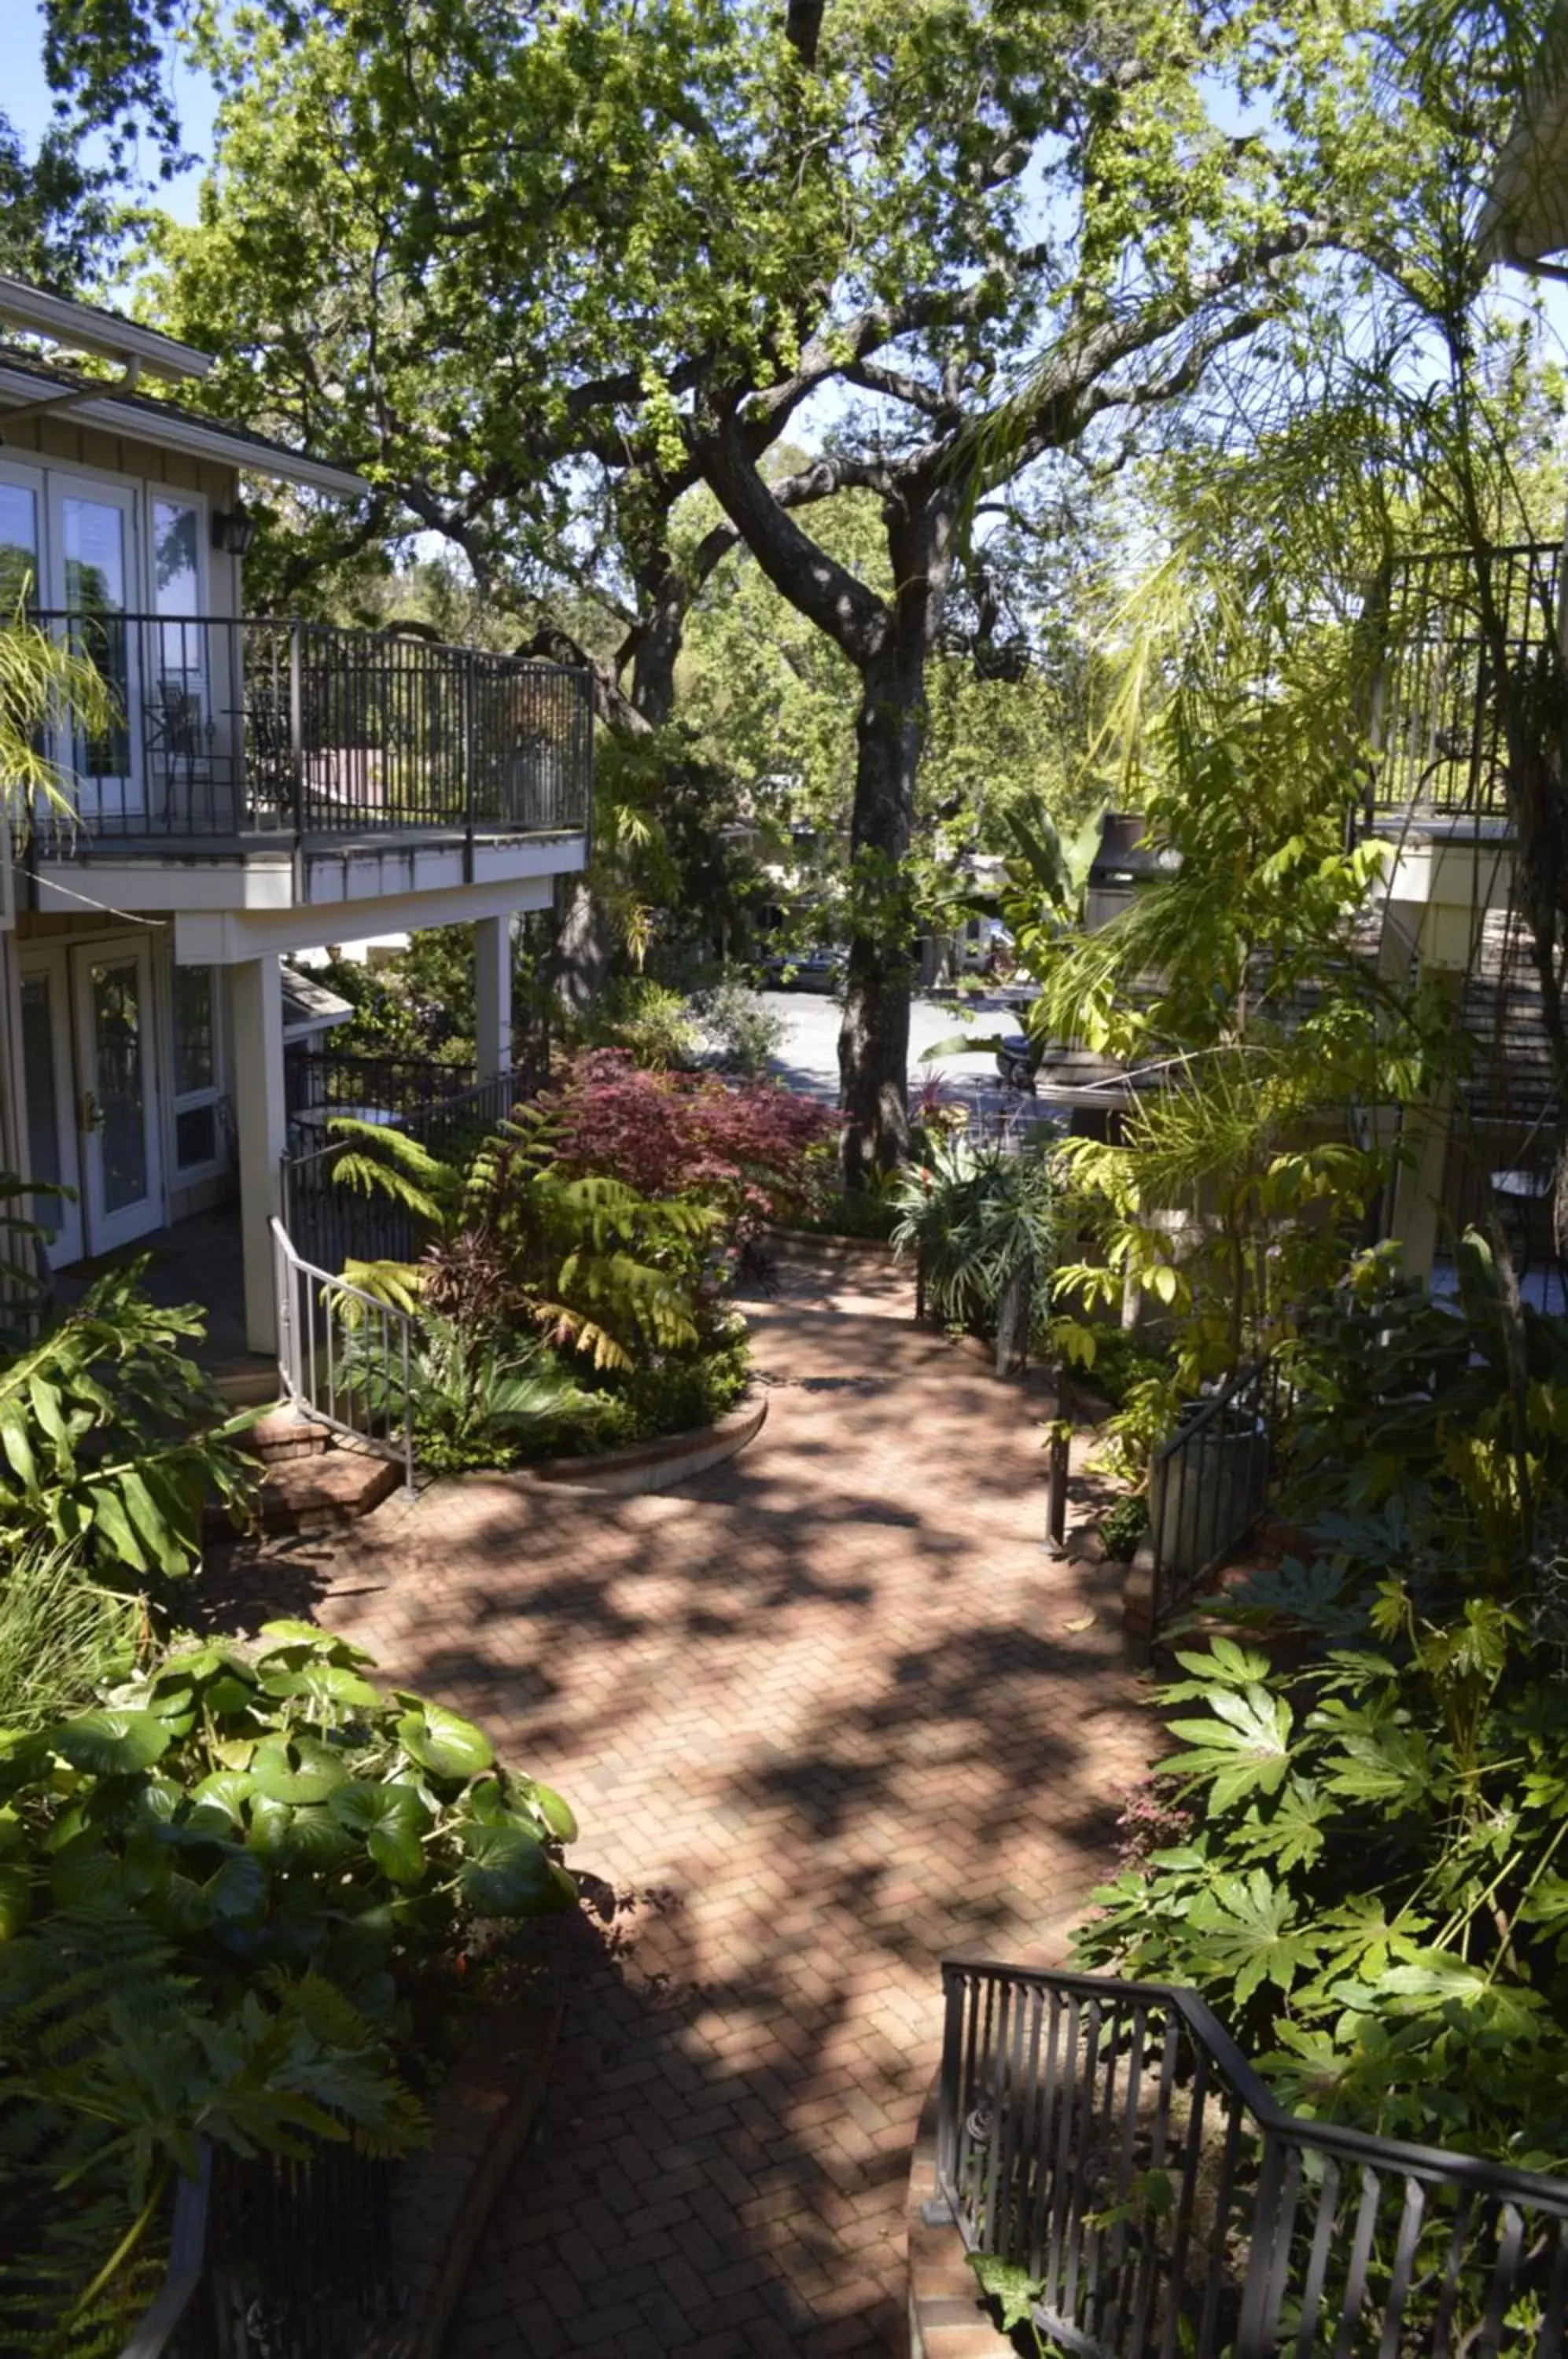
pixel 231 729
pixel 1110 2139
pixel 1210 1482
pixel 318 1079
pixel 1436 721
pixel 273 2254
pixel 332 1223
pixel 344 1357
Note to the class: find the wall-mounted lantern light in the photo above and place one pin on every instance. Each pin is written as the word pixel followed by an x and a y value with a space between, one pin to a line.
pixel 234 530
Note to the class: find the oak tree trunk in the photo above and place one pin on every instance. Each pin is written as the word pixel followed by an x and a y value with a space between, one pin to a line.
pixel 874 1039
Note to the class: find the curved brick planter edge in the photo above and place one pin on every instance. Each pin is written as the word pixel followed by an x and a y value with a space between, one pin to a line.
pixel 947 2317
pixel 823 1245
pixel 648 1465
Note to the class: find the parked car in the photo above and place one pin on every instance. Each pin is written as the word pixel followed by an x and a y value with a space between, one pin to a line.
pixel 1019 1056
pixel 818 967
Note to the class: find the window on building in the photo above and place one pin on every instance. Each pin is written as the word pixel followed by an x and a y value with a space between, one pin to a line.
pixel 196 1132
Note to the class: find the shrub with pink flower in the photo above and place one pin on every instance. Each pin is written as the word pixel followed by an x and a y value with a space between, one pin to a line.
pixel 746 1148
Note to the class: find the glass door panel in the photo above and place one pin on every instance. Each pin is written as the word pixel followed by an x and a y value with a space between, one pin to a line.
pixel 47 1073
pixel 92 555
pixel 181 729
pixel 121 1168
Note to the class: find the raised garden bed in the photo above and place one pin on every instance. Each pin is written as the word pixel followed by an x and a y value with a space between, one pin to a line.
pixel 644 1466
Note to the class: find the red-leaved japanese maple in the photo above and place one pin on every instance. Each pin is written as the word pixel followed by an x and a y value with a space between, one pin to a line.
pixel 745 1148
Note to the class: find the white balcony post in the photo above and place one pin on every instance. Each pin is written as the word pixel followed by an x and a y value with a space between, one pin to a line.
pixel 493 996
pixel 262 1123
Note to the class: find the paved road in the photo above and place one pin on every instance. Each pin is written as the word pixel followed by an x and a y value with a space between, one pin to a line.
pixel 827 1713
pixel 809 1059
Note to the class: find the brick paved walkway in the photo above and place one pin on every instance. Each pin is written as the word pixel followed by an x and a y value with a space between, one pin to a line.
pixel 824 1714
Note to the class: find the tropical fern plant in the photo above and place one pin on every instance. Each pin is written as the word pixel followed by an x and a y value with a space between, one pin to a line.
pixel 599 1266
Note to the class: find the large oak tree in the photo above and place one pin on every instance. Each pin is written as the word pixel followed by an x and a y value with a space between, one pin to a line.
pixel 538 272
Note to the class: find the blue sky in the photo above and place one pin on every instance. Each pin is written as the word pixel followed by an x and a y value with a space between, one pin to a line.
pixel 26 98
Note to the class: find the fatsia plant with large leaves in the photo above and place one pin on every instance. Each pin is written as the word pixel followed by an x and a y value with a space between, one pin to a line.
pixel 1372 1888
pixel 112 1438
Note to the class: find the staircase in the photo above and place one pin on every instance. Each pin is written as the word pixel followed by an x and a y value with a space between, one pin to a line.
pixel 314 1480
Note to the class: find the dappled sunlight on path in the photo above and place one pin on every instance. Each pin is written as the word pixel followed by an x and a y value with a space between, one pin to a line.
pixel 824 1714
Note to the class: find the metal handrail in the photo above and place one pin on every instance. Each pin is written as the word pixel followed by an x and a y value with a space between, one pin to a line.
pixel 153 2331
pixel 1205 1496
pixel 238 728
pixel 1110 2139
pixel 362 1389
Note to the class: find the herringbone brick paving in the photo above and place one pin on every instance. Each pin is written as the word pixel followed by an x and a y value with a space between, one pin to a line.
pixel 825 1714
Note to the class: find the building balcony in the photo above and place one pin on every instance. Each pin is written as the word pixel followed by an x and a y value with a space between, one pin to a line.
pixel 1440 756
pixel 265 740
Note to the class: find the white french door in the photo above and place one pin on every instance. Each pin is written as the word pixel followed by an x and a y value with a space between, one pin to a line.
pixel 120 1145
pixel 49 1070
pixel 93 566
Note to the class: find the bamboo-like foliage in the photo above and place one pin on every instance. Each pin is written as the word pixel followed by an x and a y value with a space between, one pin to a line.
pixel 45 688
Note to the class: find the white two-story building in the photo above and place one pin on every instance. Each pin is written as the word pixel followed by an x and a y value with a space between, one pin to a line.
pixel 268 786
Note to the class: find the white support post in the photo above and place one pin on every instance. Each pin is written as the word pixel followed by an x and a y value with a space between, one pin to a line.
pixel 1419 1208
pixel 262 1122
pixel 492 995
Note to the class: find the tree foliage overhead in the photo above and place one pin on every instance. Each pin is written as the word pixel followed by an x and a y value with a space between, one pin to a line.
pixel 538 277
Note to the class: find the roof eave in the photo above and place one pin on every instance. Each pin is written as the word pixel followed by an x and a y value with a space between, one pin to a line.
pixel 195 437
pixel 84 328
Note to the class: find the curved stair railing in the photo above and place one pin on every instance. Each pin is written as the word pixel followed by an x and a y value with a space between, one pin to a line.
pixel 344 1357
pixel 1109 2140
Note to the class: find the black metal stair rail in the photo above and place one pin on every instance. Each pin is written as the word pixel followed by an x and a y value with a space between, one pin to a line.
pixel 1110 2139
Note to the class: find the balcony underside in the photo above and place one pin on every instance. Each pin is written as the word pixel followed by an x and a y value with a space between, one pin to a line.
pixel 268 872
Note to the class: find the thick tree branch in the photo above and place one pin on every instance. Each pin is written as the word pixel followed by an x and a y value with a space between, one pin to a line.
pixel 816 584
pixel 1052 411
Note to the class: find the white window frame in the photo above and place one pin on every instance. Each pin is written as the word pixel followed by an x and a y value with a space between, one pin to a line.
pixel 211 1093
pixel 177 497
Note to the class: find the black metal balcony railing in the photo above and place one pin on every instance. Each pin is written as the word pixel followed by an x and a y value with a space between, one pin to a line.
pixel 330 1225
pixel 1110 2139
pixel 317 1079
pixel 294 731
pixel 1436 721
pixel 1211 1480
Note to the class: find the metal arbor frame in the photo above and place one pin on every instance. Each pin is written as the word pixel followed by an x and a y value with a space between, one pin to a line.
pixel 1110 2139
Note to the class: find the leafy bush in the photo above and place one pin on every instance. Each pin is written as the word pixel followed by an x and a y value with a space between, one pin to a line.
pixel 739 1026
pixel 831 1211
pixel 1122 1528
pixel 743 1151
pixel 112 1438
pixel 983 1224
pixel 215 1895
pixel 1373 1885
pixel 646 1021
pixel 679 1392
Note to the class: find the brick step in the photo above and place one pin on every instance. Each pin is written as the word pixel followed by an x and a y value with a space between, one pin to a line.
pixel 318 1485
pixel 284 1435
pixel 325 1492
